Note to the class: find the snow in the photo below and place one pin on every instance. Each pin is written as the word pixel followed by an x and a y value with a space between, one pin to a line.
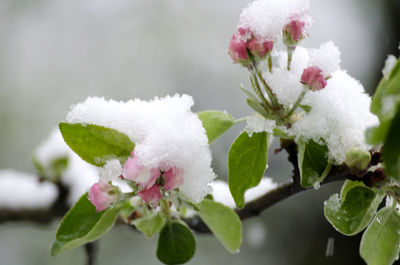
pixel 222 194
pixel 79 175
pixel 286 84
pixel 389 65
pixel 24 191
pixel 165 132
pixel 326 58
pixel 267 18
pixel 339 115
pixel 111 170
pixel 256 123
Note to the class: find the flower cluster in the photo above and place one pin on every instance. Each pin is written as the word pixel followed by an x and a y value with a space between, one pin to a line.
pixel 245 46
pixel 152 180
pixel 171 156
pixel 300 91
pixel 151 183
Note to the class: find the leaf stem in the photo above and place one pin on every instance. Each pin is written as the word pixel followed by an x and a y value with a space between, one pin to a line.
pixel 296 104
pixel 290 51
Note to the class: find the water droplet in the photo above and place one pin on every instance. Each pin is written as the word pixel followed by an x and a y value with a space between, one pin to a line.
pixel 330 247
pixel 379 220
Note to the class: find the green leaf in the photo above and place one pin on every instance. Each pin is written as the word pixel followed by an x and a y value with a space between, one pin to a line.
pixel 385 104
pixel 96 144
pixel 247 161
pixel 176 243
pixel 82 224
pixel 306 108
pixel 354 211
pixel 249 94
pixel 150 225
pixel 216 123
pixel 258 107
pixel 391 154
pixel 313 163
pixel 59 165
pixel 281 134
pixel 223 222
pixel 348 185
pixel 380 242
pixel 54 170
pixel 387 86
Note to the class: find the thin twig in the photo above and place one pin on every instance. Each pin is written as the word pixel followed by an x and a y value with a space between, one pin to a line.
pixel 251 209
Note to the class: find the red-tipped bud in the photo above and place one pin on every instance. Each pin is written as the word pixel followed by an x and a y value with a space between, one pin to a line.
pixel 238 49
pixel 313 78
pixel 294 31
pixel 260 49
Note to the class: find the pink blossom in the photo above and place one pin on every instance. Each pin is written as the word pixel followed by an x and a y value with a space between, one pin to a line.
pixel 102 195
pixel 260 48
pixel 238 47
pixel 293 32
pixel 312 76
pixel 136 172
pixel 152 194
pixel 173 178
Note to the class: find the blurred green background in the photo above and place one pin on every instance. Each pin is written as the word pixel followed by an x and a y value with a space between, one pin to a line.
pixel 54 53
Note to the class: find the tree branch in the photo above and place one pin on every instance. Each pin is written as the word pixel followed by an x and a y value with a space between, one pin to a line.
pixel 91 250
pixel 251 209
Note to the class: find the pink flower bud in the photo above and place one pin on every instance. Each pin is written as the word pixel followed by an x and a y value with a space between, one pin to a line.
pixel 136 172
pixel 152 195
pixel 238 47
pixel 293 32
pixel 102 195
pixel 173 178
pixel 312 76
pixel 260 48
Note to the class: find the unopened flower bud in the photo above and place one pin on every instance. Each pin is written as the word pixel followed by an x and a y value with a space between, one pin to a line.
pixel 293 32
pixel 238 50
pixel 102 195
pixel 173 178
pixel 259 48
pixel 152 195
pixel 313 78
pixel 138 173
pixel 358 160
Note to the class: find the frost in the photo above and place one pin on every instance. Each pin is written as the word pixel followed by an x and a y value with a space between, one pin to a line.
pixel 317 185
pixel 389 65
pixel 339 115
pixel 165 132
pixel 267 18
pixel 24 191
pixel 79 175
pixel 326 58
pixel 222 194
pixel 389 203
pixel 257 123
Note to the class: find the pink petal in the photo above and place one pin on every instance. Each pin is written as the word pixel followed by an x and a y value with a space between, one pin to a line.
pixel 259 48
pixel 152 195
pixel 295 28
pixel 135 171
pixel 312 76
pixel 238 49
pixel 100 197
pixel 173 178
pixel 132 169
